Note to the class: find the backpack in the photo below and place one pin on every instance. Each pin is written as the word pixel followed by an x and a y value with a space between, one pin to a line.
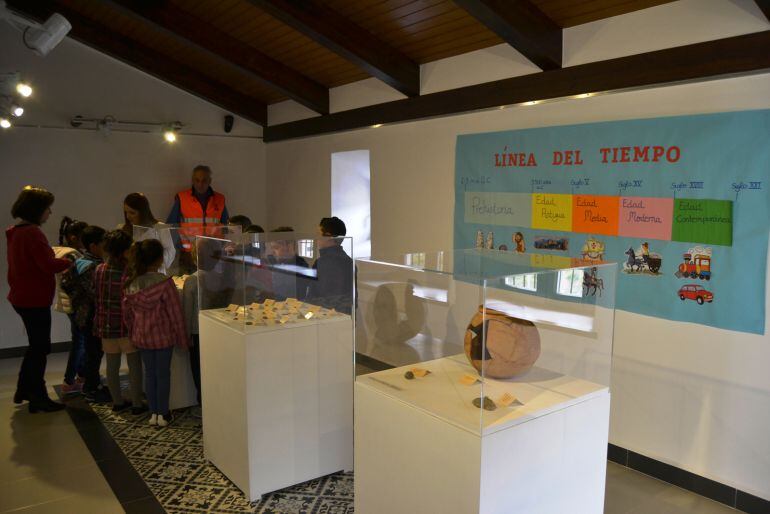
pixel 79 287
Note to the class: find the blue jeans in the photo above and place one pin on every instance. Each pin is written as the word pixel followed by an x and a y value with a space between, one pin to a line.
pixel 76 358
pixel 157 378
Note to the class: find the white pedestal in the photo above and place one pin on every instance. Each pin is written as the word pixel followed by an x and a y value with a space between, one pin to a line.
pixel 425 448
pixel 277 401
pixel 183 393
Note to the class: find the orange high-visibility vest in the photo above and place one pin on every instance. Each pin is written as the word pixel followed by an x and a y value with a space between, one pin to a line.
pixel 195 219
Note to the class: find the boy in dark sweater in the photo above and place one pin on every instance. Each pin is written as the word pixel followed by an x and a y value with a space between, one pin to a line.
pixel 80 287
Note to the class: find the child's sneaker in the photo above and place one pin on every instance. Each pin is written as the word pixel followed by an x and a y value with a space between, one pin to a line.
pixel 153 420
pixel 165 420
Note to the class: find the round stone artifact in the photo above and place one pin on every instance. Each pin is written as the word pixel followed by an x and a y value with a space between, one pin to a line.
pixel 409 375
pixel 512 344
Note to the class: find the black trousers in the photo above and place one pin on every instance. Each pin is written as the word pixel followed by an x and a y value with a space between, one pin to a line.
pixel 93 359
pixel 195 363
pixel 37 322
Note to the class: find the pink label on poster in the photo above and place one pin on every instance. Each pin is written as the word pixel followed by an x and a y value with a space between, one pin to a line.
pixel 649 218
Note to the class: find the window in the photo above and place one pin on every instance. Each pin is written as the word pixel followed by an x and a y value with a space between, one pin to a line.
pixel 350 197
pixel 527 282
pixel 305 248
pixel 570 283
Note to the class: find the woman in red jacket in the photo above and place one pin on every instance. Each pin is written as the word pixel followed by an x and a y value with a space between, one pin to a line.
pixel 32 270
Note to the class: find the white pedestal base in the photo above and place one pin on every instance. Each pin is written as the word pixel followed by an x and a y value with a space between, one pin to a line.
pixel 277 401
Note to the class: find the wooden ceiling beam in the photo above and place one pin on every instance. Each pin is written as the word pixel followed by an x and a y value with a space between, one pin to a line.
pixel 764 6
pixel 523 26
pixel 347 39
pixel 146 59
pixel 734 56
pixel 185 27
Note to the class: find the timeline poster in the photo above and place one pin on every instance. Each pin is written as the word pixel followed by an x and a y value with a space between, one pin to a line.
pixel 680 203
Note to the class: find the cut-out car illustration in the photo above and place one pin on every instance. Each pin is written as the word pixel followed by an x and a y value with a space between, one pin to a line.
pixel 697 293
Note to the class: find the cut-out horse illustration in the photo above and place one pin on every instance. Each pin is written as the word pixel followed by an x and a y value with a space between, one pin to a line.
pixel 633 263
pixel 590 280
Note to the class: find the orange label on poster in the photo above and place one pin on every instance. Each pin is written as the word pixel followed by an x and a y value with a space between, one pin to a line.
pixel 595 214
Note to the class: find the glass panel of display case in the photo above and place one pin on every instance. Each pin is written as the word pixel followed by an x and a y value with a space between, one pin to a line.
pixel 178 242
pixel 485 339
pixel 277 279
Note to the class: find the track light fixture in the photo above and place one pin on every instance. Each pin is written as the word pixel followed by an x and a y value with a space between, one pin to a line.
pixel 13 91
pixel 109 124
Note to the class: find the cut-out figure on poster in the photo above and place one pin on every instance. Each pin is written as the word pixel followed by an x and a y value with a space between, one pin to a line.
pixel 518 239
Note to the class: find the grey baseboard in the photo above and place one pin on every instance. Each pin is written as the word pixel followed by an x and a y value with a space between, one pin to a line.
pixel 18 351
pixel 697 484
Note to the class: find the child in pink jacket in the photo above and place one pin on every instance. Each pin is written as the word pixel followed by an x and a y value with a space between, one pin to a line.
pixel 153 314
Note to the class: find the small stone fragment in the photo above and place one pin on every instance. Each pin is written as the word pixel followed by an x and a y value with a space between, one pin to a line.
pixel 488 403
pixel 409 375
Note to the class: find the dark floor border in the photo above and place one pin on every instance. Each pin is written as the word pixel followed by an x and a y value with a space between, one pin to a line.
pixel 372 363
pixel 129 488
pixel 18 351
pixel 697 484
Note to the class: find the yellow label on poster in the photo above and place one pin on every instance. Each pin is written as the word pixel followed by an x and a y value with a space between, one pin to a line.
pixel 551 261
pixel 552 212
pixel 468 379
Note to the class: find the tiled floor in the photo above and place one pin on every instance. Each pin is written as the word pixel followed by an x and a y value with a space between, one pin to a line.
pixel 45 467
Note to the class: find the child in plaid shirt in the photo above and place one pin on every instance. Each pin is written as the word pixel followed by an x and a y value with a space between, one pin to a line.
pixel 153 314
pixel 108 322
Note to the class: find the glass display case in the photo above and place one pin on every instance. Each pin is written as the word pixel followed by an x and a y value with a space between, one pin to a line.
pixel 264 280
pixel 178 244
pixel 484 337
pixel 478 369
pixel 276 342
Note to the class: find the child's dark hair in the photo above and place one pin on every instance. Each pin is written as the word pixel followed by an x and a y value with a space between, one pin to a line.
pixel 116 242
pixel 332 227
pixel 283 228
pixel 92 235
pixel 240 219
pixel 70 228
pixel 142 255
pixel 31 204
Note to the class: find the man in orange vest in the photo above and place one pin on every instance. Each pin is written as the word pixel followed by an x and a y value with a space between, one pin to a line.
pixel 197 207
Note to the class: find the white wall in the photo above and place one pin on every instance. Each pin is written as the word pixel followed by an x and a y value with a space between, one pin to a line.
pixel 89 173
pixel 693 396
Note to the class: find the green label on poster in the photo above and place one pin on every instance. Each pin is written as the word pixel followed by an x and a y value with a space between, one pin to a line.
pixel 491 208
pixel 703 221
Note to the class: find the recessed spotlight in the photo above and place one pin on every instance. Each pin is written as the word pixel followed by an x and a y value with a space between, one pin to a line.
pixel 17 110
pixel 23 89
pixel 378 125
pixel 169 136
pixel 531 102
pixel 5 123
pixel 584 95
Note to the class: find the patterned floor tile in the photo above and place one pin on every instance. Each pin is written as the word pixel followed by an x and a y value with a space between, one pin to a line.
pixel 172 463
